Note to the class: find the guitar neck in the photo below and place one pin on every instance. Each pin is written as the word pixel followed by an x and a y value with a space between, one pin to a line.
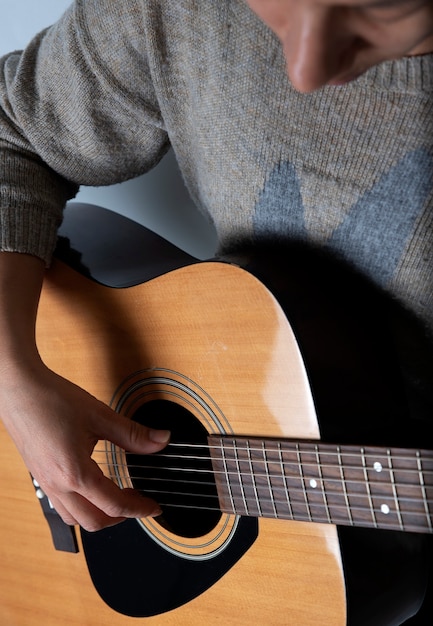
pixel 389 488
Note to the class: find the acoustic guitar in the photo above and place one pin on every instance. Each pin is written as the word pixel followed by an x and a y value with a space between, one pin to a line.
pixel 296 489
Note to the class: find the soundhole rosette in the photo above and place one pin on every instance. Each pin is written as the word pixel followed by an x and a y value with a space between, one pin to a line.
pixel 192 526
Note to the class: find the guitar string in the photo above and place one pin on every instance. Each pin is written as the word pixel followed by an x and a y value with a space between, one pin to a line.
pixel 283 503
pixel 261 474
pixel 292 489
pixel 268 476
pixel 387 524
pixel 285 463
pixel 418 454
pixel 313 507
pixel 308 447
pixel 300 486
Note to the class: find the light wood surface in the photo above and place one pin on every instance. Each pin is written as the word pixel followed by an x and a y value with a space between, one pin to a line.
pixel 206 325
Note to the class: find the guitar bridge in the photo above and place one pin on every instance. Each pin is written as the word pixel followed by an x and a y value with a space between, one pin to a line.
pixel 64 537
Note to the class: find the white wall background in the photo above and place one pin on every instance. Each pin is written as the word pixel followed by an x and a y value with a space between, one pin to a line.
pixel 159 199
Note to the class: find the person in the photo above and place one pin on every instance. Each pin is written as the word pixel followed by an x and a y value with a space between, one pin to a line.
pixel 311 119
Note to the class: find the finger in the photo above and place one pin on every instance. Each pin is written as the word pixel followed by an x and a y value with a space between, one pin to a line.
pixel 75 508
pixel 63 512
pixel 86 514
pixel 135 437
pixel 114 502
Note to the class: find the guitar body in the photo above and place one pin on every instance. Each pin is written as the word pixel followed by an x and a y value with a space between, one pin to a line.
pixel 206 348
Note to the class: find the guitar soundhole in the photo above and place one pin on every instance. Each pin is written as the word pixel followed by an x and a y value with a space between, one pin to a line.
pixel 179 477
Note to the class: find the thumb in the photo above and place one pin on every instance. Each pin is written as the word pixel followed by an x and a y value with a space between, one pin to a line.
pixel 134 437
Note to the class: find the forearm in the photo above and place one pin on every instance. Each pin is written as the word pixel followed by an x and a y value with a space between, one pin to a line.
pixel 21 277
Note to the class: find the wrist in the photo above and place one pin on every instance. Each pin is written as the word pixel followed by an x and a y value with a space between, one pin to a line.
pixel 21 279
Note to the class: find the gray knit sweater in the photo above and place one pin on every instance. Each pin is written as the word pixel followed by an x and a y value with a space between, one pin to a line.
pixel 99 97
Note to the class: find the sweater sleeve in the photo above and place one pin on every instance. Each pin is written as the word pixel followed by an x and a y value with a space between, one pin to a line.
pixel 76 107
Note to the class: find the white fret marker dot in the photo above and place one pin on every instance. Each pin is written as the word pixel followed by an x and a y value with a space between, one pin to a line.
pixel 313 483
pixel 378 466
pixel 385 509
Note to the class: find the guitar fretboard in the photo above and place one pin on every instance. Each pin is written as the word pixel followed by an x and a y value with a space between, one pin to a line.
pixel 317 482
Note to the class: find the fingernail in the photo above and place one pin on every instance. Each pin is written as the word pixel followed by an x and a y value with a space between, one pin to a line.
pixel 159 436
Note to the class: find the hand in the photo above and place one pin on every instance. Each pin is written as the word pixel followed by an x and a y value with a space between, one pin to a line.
pixel 55 426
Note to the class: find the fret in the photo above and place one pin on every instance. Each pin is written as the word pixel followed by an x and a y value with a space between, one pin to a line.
pixel 397 494
pixel 343 483
pixel 317 482
pixel 424 492
pixel 298 508
pixel 394 490
pixel 381 486
pixel 382 490
pixel 283 474
pixel 240 475
pixel 307 504
pixel 323 484
pixel 271 493
pixel 415 488
pixel 228 481
pixel 325 500
pixel 277 481
pixel 235 479
pixel 253 480
pixel 270 487
pixel 367 486
pixel 244 497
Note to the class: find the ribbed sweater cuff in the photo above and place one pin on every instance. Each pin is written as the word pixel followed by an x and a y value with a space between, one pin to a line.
pixel 28 231
pixel 32 198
